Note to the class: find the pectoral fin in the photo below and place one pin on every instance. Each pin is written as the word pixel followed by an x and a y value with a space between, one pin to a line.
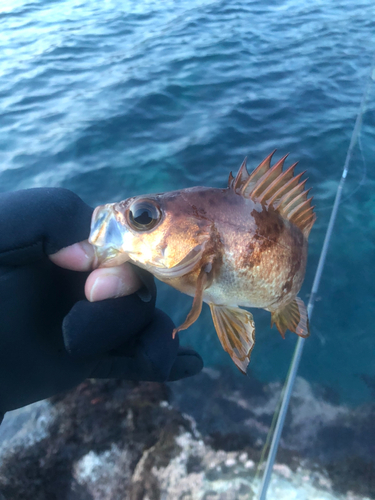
pixel 292 317
pixel 197 303
pixel 236 331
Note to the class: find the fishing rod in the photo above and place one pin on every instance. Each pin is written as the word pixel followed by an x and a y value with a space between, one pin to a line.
pixel 288 387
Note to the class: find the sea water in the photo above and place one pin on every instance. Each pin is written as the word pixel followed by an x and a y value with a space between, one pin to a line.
pixel 116 98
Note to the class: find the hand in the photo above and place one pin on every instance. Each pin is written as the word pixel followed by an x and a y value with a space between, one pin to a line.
pixel 51 336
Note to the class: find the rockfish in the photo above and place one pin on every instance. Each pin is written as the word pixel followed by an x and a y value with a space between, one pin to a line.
pixel 245 245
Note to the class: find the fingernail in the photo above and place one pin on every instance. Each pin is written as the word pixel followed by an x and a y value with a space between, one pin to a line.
pixel 106 287
pixel 88 250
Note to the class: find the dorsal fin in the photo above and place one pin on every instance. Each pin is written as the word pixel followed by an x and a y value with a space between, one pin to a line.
pixel 230 179
pixel 242 175
pixel 281 190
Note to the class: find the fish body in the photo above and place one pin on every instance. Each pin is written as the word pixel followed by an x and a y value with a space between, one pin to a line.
pixel 245 245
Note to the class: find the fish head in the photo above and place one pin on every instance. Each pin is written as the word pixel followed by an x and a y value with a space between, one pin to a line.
pixel 163 233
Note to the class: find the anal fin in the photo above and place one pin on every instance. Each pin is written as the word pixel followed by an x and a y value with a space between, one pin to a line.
pixel 236 331
pixel 292 317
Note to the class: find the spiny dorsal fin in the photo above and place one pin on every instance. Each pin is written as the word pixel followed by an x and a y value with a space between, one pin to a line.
pixel 281 190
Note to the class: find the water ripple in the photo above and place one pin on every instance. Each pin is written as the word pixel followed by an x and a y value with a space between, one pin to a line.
pixel 111 99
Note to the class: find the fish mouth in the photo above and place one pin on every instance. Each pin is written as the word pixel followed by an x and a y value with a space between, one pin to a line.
pixel 107 236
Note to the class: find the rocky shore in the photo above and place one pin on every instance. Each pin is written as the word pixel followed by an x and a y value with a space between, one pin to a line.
pixel 197 439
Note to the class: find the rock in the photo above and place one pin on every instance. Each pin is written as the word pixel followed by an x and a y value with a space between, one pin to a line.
pixel 197 439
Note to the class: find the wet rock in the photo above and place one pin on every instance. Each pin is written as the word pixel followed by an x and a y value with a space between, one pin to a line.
pixel 239 411
pixel 197 439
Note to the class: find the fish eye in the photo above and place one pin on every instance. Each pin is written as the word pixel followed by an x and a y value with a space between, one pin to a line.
pixel 144 215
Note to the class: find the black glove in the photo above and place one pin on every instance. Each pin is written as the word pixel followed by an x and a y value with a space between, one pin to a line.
pixel 51 337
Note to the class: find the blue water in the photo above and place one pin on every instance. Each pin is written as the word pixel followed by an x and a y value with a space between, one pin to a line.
pixel 117 98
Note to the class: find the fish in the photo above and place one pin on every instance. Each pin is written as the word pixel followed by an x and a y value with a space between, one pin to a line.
pixel 241 246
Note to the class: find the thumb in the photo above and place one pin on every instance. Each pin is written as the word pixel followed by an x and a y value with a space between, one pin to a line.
pixel 38 222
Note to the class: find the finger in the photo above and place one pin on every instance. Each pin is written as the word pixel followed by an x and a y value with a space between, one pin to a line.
pixel 155 357
pixel 141 368
pixel 77 257
pixel 126 368
pixel 103 283
pixel 112 282
pixel 38 222
pixel 188 363
pixel 94 328
pixel 106 283
pixel 151 358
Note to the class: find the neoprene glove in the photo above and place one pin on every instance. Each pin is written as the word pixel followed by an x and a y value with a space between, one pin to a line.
pixel 51 337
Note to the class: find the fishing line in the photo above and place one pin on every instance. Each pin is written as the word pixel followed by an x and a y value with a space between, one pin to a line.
pixel 361 182
pixel 289 383
pixel 272 427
